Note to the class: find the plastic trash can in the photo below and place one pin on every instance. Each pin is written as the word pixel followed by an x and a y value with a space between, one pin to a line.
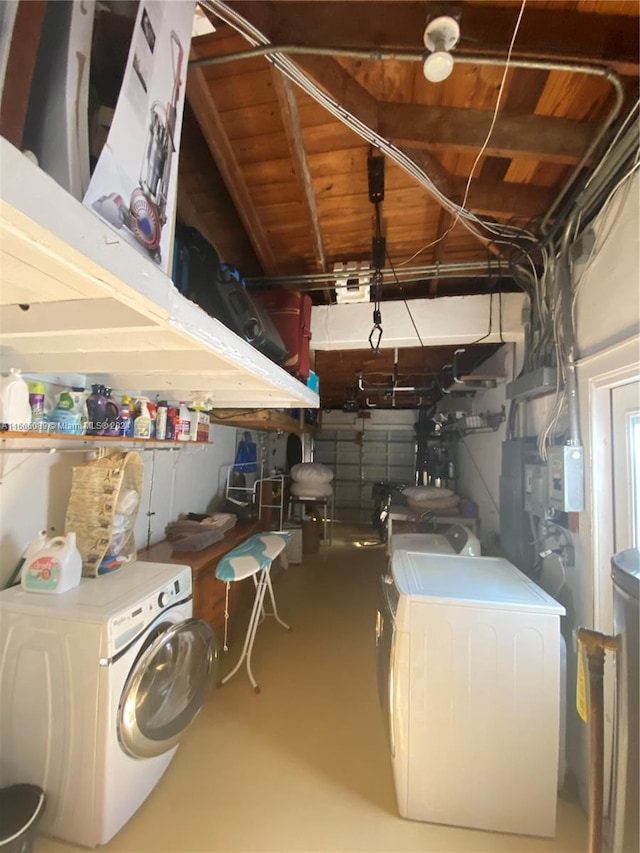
pixel 21 807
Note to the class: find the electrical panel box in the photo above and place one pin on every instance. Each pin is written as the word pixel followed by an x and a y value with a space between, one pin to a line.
pixel 535 489
pixel 515 524
pixel 565 479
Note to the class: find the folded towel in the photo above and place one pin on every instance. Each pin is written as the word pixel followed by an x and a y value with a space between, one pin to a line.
pixel 199 541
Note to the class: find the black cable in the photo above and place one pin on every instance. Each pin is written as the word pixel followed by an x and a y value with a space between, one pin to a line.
pixel 490 323
pixel 406 304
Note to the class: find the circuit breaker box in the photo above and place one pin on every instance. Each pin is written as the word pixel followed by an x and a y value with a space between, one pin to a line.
pixel 565 478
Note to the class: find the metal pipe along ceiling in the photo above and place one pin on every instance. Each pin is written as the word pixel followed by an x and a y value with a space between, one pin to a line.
pixel 414 56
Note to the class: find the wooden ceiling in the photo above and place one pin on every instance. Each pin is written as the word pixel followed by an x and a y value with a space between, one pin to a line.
pixel 280 185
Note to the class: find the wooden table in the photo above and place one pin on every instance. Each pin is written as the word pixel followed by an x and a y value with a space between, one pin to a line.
pixel 208 591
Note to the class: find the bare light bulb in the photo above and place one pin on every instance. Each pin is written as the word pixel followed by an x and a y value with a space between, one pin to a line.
pixel 438 66
pixel 440 36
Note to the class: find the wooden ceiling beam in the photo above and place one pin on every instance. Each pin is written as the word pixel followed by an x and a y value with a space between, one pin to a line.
pixel 355 99
pixel 341 86
pixel 203 105
pixel 554 34
pixel 492 198
pixel 291 120
pixel 555 140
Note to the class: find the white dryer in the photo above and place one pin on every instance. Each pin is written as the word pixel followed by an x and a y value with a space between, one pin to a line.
pixel 98 686
pixel 456 539
pixel 469 678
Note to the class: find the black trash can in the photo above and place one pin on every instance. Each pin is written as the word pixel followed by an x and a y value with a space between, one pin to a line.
pixel 21 807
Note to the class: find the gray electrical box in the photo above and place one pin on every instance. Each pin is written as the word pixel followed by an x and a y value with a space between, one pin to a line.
pixel 518 455
pixel 535 489
pixel 565 480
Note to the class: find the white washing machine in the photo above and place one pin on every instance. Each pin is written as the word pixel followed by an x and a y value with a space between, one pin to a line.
pixel 469 676
pixel 98 686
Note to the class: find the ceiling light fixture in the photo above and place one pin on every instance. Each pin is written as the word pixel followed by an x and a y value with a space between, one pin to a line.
pixel 440 36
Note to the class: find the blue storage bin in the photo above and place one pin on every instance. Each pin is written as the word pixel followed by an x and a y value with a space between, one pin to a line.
pixel 313 382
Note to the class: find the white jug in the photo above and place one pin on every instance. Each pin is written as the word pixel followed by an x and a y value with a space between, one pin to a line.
pixel 53 568
pixel 15 409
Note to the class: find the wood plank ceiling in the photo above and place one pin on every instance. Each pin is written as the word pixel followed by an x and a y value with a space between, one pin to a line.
pixel 279 184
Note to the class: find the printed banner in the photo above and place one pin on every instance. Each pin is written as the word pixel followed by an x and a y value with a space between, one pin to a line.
pixel 134 185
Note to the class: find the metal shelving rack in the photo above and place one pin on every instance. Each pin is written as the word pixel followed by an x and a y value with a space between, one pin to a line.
pixel 279 505
pixel 255 492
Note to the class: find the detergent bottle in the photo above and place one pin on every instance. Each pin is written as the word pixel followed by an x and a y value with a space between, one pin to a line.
pixel 54 567
pixel 15 409
pixel 67 415
pixel 27 555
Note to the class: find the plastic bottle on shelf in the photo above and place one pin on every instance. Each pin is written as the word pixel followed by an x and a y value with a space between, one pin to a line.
pixel 152 407
pixel 126 416
pixel 36 401
pixel 183 432
pixel 15 410
pixel 142 422
pixel 161 420
pixel 68 415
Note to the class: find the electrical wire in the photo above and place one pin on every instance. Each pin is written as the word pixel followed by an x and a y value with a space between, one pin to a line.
pixel 406 304
pixel 497 106
pixel 607 228
pixel 470 220
pixel 483 147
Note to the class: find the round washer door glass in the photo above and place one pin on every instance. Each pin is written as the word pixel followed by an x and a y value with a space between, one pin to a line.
pixel 167 686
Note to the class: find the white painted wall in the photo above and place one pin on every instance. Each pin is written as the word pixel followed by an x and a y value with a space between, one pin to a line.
pixel 607 313
pixel 447 320
pixel 35 487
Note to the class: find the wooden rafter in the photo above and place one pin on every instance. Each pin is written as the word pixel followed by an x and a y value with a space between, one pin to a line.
pixel 522 201
pixel 341 86
pixel 291 120
pixel 204 107
pixel 338 84
pixel 543 33
pixel 555 140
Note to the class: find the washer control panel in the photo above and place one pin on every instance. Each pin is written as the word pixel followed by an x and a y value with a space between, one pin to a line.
pixel 126 625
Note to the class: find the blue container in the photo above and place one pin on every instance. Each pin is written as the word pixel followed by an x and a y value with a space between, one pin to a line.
pixel 313 382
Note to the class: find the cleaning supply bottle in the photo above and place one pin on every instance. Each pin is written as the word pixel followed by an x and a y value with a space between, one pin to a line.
pixel 27 555
pixel 183 432
pixel 161 420
pixel 36 401
pixel 54 567
pixel 67 414
pixel 142 422
pixel 15 410
pixel 126 416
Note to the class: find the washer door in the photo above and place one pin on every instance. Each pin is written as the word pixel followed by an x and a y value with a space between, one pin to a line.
pixel 167 686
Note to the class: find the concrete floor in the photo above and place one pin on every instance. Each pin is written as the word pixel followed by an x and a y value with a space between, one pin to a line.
pixel 304 766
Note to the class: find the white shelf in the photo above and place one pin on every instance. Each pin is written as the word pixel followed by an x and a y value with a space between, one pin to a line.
pixel 100 308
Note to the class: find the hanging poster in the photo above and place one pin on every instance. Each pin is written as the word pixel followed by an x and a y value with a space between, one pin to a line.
pixel 134 185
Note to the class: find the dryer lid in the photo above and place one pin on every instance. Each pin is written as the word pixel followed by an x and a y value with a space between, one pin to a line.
pixel 474 581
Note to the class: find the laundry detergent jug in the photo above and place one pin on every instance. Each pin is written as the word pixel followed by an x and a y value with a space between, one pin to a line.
pixel 55 567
